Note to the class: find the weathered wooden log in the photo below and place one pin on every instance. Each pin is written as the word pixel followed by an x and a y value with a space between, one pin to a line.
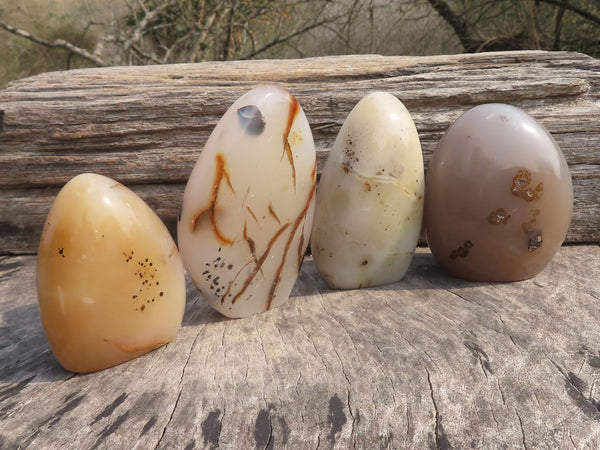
pixel 429 362
pixel 145 126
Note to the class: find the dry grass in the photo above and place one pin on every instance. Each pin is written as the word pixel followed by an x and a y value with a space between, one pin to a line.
pixel 403 27
pixel 49 19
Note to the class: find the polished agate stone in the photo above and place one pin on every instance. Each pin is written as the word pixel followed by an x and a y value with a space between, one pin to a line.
pixel 248 205
pixel 499 196
pixel 370 197
pixel 110 282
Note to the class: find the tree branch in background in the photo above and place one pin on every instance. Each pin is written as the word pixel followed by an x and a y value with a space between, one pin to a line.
pixel 558 25
pixel 466 30
pixel 136 34
pixel 283 39
pixel 585 14
pixel 459 25
pixel 57 43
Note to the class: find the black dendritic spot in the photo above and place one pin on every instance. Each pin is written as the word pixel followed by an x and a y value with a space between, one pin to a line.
pixel 251 119
pixel 213 280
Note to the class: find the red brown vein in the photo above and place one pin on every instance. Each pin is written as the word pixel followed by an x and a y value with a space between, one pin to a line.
pixel 299 220
pixel 287 149
pixel 260 261
pixel 250 242
pixel 252 214
pixel 220 175
pixel 273 213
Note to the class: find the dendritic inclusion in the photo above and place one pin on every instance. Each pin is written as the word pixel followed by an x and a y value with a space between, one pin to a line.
pixel 248 205
pixel 370 198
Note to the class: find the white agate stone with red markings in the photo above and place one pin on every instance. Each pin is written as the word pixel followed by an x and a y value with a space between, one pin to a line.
pixel 248 205
pixel 110 282
pixel 370 197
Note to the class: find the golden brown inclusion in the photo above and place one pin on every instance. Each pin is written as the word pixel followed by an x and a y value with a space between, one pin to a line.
pixel 287 149
pixel 534 234
pixel 462 251
pixel 273 213
pixel 499 216
pixel 521 186
pixel 220 175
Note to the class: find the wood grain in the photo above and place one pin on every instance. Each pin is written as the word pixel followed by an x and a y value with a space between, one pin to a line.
pixel 145 126
pixel 429 362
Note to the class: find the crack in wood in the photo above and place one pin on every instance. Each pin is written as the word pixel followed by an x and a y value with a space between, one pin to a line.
pixel 481 356
pixel 409 428
pixel 354 419
pixel 572 441
pixel 389 379
pixel 495 420
pixel 440 438
pixel 435 409
pixel 164 430
pixel 523 441
pixel 514 343
pixel 180 391
pixel 501 392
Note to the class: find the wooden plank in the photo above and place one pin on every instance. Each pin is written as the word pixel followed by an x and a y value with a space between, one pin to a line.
pixel 26 223
pixel 429 362
pixel 145 126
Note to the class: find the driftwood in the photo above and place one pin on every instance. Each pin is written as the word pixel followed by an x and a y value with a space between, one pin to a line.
pixel 430 362
pixel 145 126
